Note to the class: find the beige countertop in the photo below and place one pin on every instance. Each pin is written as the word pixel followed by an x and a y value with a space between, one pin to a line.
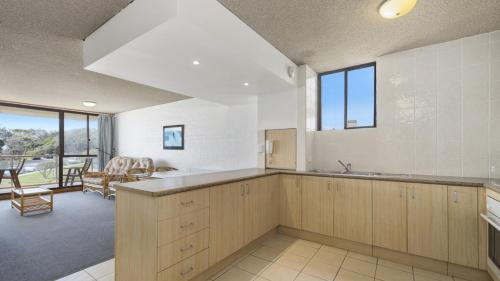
pixel 172 185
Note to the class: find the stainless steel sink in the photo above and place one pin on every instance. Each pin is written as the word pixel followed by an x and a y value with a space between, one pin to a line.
pixel 363 174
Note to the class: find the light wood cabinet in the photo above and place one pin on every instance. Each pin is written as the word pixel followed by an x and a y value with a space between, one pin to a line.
pixel 226 220
pixel 284 154
pixel 353 218
pixel 428 221
pixel 317 205
pixel 290 202
pixel 390 221
pixel 463 225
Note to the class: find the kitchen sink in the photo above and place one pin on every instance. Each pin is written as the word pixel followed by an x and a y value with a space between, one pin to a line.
pixel 363 174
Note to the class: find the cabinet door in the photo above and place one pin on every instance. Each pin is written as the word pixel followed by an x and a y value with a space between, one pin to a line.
pixel 389 215
pixel 271 198
pixel 463 225
pixel 290 201
pixel 353 210
pixel 317 205
pixel 226 220
pixel 254 214
pixel 428 221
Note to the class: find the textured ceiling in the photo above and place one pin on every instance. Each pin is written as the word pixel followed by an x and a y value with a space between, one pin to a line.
pixel 330 34
pixel 68 18
pixel 41 60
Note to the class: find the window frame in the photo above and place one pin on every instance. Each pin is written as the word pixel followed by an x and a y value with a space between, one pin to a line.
pixel 61 112
pixel 346 94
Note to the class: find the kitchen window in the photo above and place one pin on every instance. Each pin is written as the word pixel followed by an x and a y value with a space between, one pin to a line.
pixel 347 98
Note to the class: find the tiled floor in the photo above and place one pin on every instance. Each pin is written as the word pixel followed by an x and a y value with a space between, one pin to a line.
pixel 283 258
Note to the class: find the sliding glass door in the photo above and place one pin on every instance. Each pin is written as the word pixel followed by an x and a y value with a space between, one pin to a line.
pixel 46 144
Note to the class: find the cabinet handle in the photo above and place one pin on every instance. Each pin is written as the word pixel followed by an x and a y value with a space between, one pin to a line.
pixel 413 193
pixel 242 190
pixel 187 248
pixel 185 204
pixel 455 196
pixel 248 189
pixel 400 192
pixel 187 225
pixel 187 271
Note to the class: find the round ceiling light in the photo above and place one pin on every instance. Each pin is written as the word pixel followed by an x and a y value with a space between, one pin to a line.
pixel 195 62
pixel 89 103
pixel 246 84
pixel 391 9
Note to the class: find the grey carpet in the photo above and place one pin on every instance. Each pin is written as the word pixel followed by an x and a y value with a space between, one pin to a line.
pixel 79 233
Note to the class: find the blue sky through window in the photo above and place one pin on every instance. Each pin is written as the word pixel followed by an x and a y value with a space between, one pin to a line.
pixel 360 98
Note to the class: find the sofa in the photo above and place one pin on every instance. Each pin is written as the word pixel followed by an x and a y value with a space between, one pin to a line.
pixel 118 170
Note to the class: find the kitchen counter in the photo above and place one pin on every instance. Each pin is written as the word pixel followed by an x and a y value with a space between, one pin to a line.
pixel 172 185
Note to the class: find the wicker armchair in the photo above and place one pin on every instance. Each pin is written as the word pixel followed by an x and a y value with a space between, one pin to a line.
pixel 116 171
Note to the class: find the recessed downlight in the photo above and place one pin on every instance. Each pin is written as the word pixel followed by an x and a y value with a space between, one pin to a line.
pixel 89 103
pixel 196 62
pixel 246 84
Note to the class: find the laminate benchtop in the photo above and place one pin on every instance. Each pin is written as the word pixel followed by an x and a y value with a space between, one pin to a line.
pixel 172 185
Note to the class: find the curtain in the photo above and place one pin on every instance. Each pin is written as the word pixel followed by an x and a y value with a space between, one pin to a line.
pixel 106 141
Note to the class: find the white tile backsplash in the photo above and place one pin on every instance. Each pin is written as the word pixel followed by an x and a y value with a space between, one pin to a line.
pixel 438 113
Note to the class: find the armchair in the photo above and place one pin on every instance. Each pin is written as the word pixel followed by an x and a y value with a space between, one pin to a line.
pixel 116 171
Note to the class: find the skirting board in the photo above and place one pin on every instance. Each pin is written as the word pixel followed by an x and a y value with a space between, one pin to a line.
pixel 404 258
pixel 218 268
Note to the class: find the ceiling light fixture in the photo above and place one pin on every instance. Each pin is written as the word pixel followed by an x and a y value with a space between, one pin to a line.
pixel 195 62
pixel 391 9
pixel 246 84
pixel 89 103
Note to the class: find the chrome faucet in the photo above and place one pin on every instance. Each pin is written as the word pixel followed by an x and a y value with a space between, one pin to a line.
pixel 346 167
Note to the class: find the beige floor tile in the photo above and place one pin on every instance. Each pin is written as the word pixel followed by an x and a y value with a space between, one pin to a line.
pixel 362 257
pixel 459 279
pixel 276 243
pixel 100 270
pixel 334 250
pixel 293 261
pixel 253 265
pixel 301 250
pixel 329 258
pixel 346 275
pixel 236 274
pixel 277 272
pixel 432 275
pixel 395 265
pixel 308 244
pixel 79 276
pixel 218 274
pixel 359 266
pixel 307 277
pixel 267 253
pixel 110 277
pixel 285 237
pixel 389 274
pixel 321 270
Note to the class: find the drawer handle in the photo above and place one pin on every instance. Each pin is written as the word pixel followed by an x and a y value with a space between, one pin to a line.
pixel 187 203
pixel 187 271
pixel 187 225
pixel 187 248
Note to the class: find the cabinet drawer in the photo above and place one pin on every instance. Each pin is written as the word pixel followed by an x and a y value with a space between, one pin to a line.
pixel 182 226
pixel 181 249
pixel 182 203
pixel 187 269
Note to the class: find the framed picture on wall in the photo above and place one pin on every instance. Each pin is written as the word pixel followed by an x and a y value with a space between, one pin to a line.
pixel 173 137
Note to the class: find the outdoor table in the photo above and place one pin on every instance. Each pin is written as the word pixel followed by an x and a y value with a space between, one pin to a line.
pixel 13 175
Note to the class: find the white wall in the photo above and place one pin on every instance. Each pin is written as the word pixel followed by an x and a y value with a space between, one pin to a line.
pixel 275 111
pixel 217 137
pixel 438 111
